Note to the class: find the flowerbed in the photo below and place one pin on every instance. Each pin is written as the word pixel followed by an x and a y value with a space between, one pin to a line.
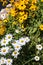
pixel 21 32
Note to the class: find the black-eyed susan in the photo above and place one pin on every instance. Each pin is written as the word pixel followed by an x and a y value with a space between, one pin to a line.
pixel 11 1
pixel 27 1
pixel 13 11
pixel 21 6
pixel 21 19
pixel 16 4
pixel 25 16
pixel 34 1
pixel 2 30
pixel 22 1
pixel 33 7
pixel 21 12
pixel 41 27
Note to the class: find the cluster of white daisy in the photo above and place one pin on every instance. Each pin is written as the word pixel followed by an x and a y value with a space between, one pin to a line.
pixel 17 45
pixel 39 48
pixel 6 61
pixel 6 40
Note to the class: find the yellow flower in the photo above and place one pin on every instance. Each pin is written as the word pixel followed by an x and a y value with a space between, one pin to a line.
pixel 25 16
pixel 22 1
pixel 14 23
pixel 22 26
pixel 21 19
pixel 11 1
pixel 41 0
pixel 34 1
pixel 21 6
pixel 26 1
pixel 1 22
pixel 2 30
pixel 41 26
pixel 13 12
pixel 33 7
pixel 21 12
pixel 16 4
pixel 5 20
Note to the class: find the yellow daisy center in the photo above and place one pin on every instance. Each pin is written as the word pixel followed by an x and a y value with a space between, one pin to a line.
pixel 17 46
pixel 4 50
pixel 22 41
pixel 9 37
pixel 15 52
pixel 4 41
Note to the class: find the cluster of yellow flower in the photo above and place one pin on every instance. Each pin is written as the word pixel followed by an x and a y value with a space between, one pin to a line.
pixel 22 6
pixel 2 28
pixel 19 9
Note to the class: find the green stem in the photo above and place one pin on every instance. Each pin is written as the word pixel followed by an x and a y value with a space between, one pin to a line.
pixel 28 61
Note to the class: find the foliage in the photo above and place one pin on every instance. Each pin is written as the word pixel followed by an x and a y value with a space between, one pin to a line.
pixel 23 19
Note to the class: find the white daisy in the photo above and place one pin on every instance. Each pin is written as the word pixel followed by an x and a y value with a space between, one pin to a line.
pixel 22 41
pixel 4 50
pixel 27 39
pixel 17 31
pixel 15 42
pixel 3 60
pixel 9 5
pixel 2 10
pixel 9 62
pixel 3 16
pixel 15 54
pixel 17 47
pixel 8 37
pixel 39 47
pixel 4 42
pixel 37 58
